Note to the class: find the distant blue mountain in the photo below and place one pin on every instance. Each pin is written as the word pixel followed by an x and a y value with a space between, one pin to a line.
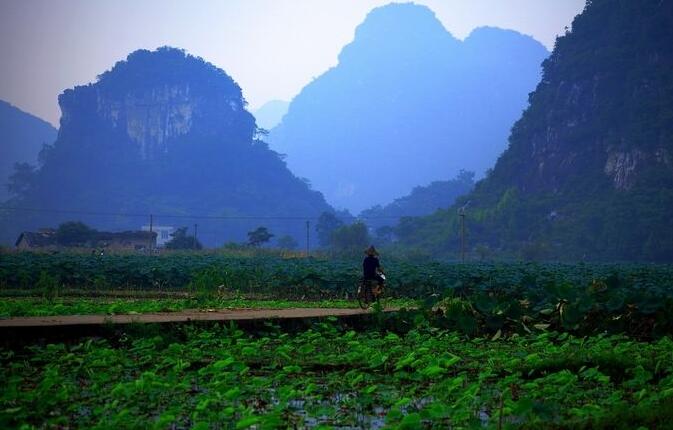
pixel 21 138
pixel 423 200
pixel 270 113
pixel 162 132
pixel 406 105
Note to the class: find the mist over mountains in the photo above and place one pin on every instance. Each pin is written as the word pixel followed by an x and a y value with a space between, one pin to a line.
pixel 270 113
pixel 407 104
pixel 423 200
pixel 166 133
pixel 21 138
pixel 588 173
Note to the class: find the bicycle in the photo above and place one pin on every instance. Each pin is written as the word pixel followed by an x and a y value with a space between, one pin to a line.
pixel 369 291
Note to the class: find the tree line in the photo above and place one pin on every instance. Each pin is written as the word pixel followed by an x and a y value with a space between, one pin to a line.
pixel 332 233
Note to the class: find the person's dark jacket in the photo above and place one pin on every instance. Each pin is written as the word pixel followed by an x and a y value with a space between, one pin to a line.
pixel 369 266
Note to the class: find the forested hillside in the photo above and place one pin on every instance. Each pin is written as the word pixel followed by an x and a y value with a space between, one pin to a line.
pixel 423 200
pixel 588 173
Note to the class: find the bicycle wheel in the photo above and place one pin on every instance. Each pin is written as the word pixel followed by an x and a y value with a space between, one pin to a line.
pixel 379 296
pixel 364 295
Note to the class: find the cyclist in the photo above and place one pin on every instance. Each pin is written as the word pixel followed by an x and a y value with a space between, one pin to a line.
pixel 372 269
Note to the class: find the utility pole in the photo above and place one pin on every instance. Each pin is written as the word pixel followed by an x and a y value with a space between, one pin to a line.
pixel 461 214
pixel 462 236
pixel 151 235
pixel 308 224
pixel 195 227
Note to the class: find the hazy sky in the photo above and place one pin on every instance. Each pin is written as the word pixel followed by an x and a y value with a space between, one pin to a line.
pixel 272 48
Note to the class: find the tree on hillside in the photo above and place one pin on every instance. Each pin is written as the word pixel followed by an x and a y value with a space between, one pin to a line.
pixel 327 224
pixel 423 200
pixel 287 242
pixel 259 236
pixel 74 233
pixel 350 238
pixel 22 179
pixel 180 240
pixel 385 234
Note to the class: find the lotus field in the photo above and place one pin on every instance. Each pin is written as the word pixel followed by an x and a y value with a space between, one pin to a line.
pixel 475 345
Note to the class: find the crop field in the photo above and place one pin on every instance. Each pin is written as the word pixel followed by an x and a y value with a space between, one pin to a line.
pixel 327 376
pixel 473 345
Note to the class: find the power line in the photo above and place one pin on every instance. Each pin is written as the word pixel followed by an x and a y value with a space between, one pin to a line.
pixel 182 216
pixel 159 215
pixel 74 212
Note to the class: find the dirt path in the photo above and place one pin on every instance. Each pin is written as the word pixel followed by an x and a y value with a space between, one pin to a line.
pixel 182 316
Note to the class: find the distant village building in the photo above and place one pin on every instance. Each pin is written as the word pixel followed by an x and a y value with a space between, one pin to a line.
pixel 126 240
pixel 163 232
pixel 43 238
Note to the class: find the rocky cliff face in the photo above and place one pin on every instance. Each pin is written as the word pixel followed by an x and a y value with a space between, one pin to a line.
pixel 165 132
pixel 594 148
pixel 603 104
pixel 150 119
pixel 173 103
pixel 624 166
pixel 564 147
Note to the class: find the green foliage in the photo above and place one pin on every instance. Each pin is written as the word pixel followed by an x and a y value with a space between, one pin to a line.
pixel 511 298
pixel 352 238
pixel 327 224
pixel 74 233
pixel 330 375
pixel 48 285
pixel 206 283
pixel 485 346
pixel 259 236
pixel 180 240
pixel 287 242
pixel 421 201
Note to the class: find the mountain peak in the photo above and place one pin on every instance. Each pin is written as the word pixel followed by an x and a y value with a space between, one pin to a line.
pixel 154 97
pixel 495 37
pixel 406 96
pixel 161 131
pixel 397 29
pixel 402 17
pixel 166 65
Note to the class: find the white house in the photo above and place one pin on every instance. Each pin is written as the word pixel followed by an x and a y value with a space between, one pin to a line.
pixel 163 233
